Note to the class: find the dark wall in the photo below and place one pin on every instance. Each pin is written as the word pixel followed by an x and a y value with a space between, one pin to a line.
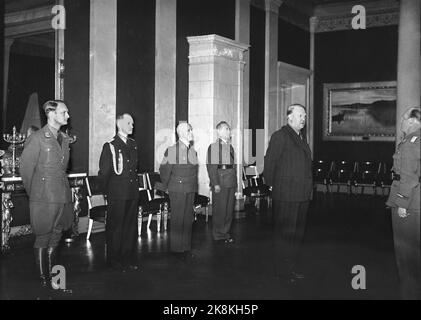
pixel 136 72
pixel 353 56
pixel 76 81
pixel 194 18
pixel 257 72
pixel 293 44
pixel 27 74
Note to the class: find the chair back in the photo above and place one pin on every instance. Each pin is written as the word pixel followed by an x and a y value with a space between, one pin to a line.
pixel 95 197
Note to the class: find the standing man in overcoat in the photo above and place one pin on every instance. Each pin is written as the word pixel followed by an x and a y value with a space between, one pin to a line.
pixel 118 174
pixel 223 182
pixel 178 171
pixel 288 170
pixel 43 166
pixel 404 199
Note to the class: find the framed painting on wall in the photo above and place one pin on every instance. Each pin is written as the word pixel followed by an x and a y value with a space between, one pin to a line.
pixel 362 111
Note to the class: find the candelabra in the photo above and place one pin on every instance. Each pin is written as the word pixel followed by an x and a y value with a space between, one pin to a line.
pixel 14 139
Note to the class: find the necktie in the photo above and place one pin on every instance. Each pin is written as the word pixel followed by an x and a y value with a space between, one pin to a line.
pixel 59 138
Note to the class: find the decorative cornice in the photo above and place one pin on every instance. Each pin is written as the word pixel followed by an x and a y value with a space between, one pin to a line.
pixel 208 46
pixel 273 5
pixel 338 23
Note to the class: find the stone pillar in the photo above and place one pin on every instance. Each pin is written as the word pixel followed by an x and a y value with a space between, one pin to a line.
pixel 216 75
pixel 310 121
pixel 271 66
pixel 103 75
pixel 242 35
pixel 165 76
pixel 409 59
pixel 7 44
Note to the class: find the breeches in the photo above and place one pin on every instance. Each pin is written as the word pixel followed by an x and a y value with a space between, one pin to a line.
pixel 48 220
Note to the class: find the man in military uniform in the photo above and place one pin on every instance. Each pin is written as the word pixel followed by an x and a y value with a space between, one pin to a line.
pixel 179 176
pixel 404 199
pixel 118 174
pixel 223 182
pixel 43 167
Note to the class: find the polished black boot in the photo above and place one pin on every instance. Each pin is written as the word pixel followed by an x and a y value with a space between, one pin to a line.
pixel 42 266
pixel 52 261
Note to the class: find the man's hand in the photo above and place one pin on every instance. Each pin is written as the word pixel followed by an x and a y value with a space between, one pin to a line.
pixel 217 189
pixel 403 213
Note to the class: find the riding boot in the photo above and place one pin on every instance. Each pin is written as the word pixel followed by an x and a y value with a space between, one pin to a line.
pixel 42 266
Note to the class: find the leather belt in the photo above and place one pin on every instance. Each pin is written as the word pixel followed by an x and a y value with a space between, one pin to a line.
pixel 397 177
pixel 225 166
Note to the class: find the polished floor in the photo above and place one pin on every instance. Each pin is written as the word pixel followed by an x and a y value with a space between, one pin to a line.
pixel 342 231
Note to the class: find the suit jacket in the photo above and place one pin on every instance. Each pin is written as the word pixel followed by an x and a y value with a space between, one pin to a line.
pixel 43 166
pixel 124 186
pixel 220 153
pixel 179 169
pixel 288 166
pixel 405 193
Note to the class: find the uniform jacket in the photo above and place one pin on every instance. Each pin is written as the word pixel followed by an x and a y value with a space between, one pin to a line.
pixel 43 167
pixel 179 169
pixel 405 193
pixel 288 166
pixel 124 186
pixel 220 153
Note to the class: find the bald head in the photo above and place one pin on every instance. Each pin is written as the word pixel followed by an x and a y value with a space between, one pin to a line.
pixel 185 131
pixel 125 124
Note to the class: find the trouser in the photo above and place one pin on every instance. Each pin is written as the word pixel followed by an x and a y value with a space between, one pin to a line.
pixel 289 220
pixel 48 220
pixel 222 210
pixel 121 231
pixel 181 221
pixel 406 237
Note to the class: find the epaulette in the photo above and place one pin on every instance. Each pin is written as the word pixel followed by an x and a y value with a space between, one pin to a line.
pixel 130 138
pixel 414 138
pixel 65 135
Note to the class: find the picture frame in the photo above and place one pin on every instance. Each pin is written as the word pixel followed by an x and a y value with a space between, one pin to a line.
pixel 360 111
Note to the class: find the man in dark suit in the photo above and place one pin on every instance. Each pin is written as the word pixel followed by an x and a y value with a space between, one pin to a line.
pixel 178 171
pixel 223 182
pixel 118 174
pixel 288 171
pixel 43 166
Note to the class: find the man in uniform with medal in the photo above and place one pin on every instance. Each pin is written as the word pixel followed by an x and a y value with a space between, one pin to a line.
pixel 118 174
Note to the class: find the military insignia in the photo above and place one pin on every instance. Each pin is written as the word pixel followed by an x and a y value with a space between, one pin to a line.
pixel 47 134
pixel 414 139
pixel 401 196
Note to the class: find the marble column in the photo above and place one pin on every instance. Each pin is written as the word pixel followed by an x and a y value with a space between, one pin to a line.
pixel 103 74
pixel 409 59
pixel 216 76
pixel 271 67
pixel 7 44
pixel 242 35
pixel 310 125
pixel 165 76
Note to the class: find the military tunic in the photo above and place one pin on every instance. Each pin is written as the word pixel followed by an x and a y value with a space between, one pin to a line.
pixel 405 193
pixel 43 169
pixel 178 172
pixel 222 172
pixel 118 174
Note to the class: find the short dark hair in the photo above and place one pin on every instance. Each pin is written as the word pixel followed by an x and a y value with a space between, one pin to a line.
pixel 51 105
pixel 415 113
pixel 292 107
pixel 121 116
pixel 221 123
